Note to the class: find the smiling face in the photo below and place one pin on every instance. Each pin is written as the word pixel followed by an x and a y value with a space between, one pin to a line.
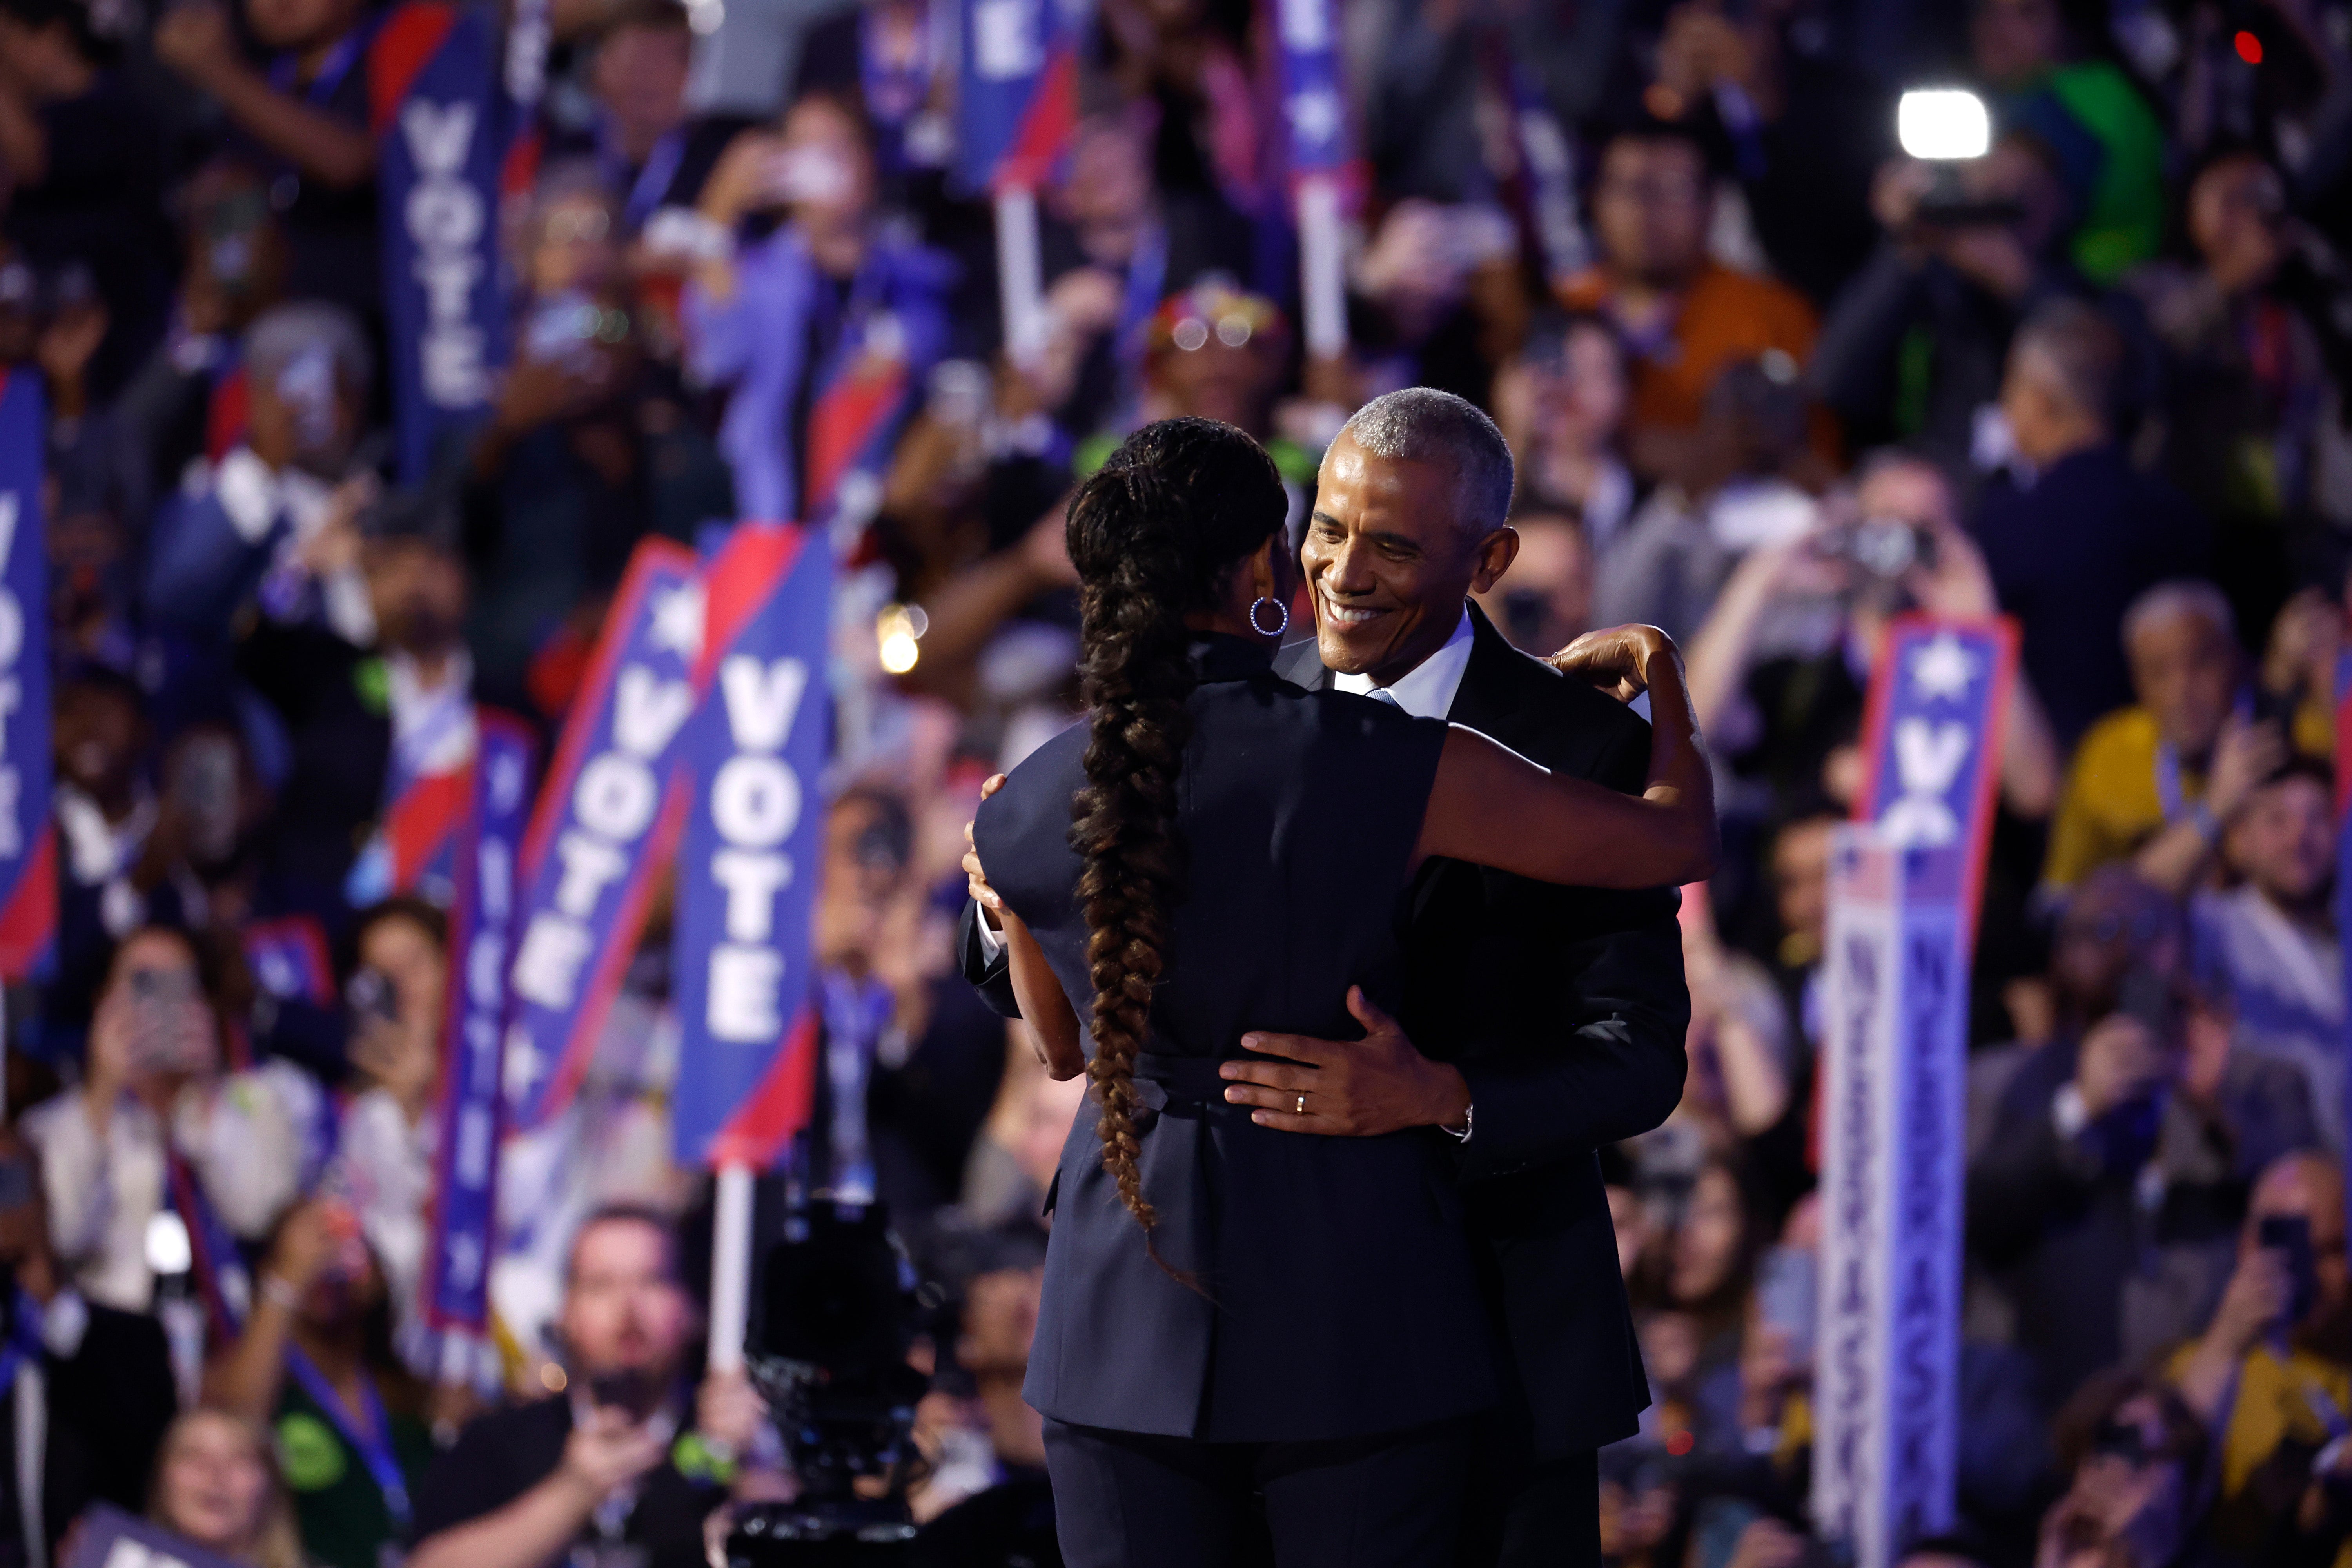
pixel 1389 561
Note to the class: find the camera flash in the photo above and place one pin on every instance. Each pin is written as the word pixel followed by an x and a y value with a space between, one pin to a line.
pixel 1943 124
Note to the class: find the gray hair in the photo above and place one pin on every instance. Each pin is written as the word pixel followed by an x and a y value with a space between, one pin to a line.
pixel 2181 596
pixel 1423 425
pixel 286 333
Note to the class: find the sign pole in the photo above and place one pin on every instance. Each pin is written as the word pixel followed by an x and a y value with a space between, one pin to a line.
pixel 730 1266
pixel 1021 288
pixel 1322 267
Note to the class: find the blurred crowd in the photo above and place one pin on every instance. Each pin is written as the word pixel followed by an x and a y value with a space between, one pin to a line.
pixel 1769 383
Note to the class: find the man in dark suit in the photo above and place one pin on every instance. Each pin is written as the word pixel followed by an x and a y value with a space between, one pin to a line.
pixel 1538 1023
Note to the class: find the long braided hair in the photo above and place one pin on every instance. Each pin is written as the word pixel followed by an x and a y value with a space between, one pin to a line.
pixel 1155 534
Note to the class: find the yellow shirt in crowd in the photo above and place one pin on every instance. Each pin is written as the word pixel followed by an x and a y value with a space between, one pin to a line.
pixel 2110 805
pixel 2288 1399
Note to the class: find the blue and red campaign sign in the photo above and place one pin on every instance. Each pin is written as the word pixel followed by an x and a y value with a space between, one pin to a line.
pixel 1313 109
pixel 747 869
pixel 481 935
pixel 1931 738
pixel 433 89
pixel 602 828
pixel 1018 99
pixel 290 960
pixel 28 872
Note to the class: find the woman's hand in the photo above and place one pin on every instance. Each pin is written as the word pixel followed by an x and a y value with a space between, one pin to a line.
pixel 975 878
pixel 307 1246
pixel 1615 659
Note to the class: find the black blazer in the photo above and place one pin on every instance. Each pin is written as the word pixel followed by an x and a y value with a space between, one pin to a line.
pixel 1565 1009
pixel 1338 1296
pixel 109 1404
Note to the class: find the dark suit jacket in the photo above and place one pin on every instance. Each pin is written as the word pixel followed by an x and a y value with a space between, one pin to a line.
pixel 330 696
pixel 107 1405
pixel 2068 556
pixel 1565 1010
pixel 2061 1222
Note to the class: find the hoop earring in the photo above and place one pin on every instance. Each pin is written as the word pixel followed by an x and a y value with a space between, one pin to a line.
pixel 1280 608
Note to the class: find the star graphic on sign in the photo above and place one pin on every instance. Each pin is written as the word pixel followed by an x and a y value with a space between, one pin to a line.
pixel 1943 669
pixel 678 620
pixel 1315 116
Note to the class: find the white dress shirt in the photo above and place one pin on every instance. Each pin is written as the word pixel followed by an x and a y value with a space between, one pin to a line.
pixel 1426 690
pixel 242 1134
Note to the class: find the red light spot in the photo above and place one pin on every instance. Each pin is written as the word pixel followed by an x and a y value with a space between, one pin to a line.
pixel 1680 1443
pixel 2250 48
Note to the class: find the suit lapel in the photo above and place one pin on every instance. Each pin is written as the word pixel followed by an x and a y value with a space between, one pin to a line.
pixel 1488 701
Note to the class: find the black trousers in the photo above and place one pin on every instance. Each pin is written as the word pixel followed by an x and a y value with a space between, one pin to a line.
pixel 1126 1499
pixel 1532 1515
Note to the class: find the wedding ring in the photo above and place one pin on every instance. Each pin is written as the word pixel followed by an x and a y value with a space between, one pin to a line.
pixel 1302 1105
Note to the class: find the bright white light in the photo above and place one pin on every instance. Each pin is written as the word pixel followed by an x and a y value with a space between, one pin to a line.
pixel 1943 123
pixel 168 1248
pixel 896 628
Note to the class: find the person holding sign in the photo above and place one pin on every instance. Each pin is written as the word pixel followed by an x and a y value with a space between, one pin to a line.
pixel 1240 856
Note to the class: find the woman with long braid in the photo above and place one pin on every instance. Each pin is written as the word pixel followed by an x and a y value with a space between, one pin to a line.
pixel 1239 1324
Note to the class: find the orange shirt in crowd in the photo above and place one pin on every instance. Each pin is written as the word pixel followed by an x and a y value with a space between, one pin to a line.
pixel 1726 317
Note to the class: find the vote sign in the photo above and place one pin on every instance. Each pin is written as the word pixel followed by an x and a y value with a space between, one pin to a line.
pixel 1017 99
pixel 747 867
pixel 109 1538
pixel 1932 735
pixel 604 825
pixel 481 933
pixel 28 877
pixel 433 88
pixel 1314 110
